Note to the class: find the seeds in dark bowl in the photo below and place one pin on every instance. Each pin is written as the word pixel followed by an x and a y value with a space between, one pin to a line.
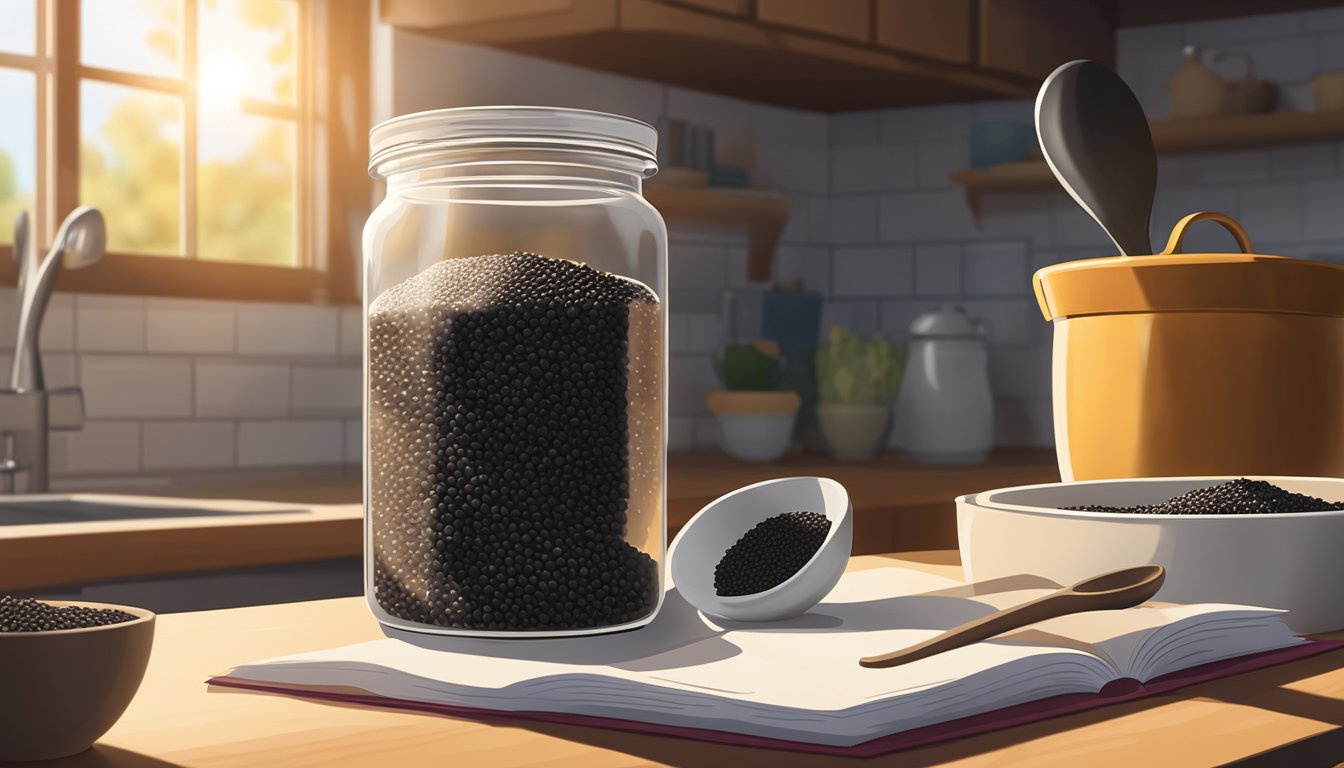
pixel 770 553
pixel 24 614
pixel 1235 497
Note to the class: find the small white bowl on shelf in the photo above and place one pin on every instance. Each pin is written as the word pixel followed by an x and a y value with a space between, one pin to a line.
pixel 1289 560
pixel 706 537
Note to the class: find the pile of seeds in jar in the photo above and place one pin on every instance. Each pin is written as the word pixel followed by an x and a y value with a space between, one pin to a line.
pixel 770 553
pixel 1235 497
pixel 500 401
pixel 24 614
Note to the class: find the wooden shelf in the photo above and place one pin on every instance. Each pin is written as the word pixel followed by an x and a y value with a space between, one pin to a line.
pixel 1189 135
pixel 764 215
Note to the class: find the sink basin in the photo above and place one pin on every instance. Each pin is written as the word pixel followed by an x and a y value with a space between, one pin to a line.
pixel 46 509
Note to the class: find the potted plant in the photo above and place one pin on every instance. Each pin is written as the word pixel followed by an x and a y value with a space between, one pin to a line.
pixel 755 418
pixel 857 379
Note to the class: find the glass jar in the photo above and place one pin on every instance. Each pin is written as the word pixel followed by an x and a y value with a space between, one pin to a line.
pixel 515 374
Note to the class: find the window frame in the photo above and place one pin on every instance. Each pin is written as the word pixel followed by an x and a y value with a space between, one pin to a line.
pixel 332 186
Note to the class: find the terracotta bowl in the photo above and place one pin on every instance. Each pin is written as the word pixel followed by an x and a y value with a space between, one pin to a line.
pixel 62 690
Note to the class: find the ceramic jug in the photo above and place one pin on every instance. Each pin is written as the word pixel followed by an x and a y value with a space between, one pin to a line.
pixel 945 412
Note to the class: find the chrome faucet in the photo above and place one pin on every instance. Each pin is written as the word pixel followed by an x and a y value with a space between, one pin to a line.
pixel 28 409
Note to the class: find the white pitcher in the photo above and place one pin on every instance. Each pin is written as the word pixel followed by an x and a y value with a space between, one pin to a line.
pixel 945 412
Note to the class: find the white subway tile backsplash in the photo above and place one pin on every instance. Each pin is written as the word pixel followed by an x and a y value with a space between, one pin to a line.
pixel 352 331
pixel 1230 167
pixel 918 124
pixel 1010 322
pixel 915 216
pixel 1136 41
pixel 178 326
pixel 938 269
pixel 861 317
pixel 1025 214
pixel 58 325
pixel 690 378
pixel 938 161
pixel 1015 110
pixel 809 264
pixel 1024 423
pixel 790 127
pixel 1020 373
pixel 1323 19
pixel 681 434
pixel 1240 29
pixel 288 329
pixel 676 331
pixel 1271 211
pixel 696 267
pixel 1301 162
pixel 242 389
pixel 704 332
pixel 1276 61
pixel 897 314
pixel 996 269
pixel 188 445
pixel 1331 52
pixel 792 169
pixel 873 271
pixel 1071 226
pixel 354 441
pixel 135 387
pixel 853 219
pixel 1323 210
pixel 60 369
pixel 327 389
pixel 100 448
pixel 110 323
pixel 856 129
pixel 874 168
pixel 706 433
pixel 290 443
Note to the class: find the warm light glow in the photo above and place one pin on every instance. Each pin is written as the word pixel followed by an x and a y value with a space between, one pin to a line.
pixel 221 81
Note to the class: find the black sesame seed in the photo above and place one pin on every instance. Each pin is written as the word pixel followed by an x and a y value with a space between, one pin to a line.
pixel 502 414
pixel 770 553
pixel 1235 497
pixel 24 614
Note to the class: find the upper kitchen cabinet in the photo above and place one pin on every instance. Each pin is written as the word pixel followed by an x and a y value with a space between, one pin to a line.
pixel 833 56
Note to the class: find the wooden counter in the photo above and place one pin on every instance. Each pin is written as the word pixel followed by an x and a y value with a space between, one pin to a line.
pixel 898 506
pixel 175 720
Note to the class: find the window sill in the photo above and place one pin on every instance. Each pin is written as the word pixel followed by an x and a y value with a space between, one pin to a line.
pixel 133 275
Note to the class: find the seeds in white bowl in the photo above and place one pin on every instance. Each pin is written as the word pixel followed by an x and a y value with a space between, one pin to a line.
pixel 770 553
pixel 1235 497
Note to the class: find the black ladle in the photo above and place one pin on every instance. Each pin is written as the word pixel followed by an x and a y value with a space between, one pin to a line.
pixel 1095 137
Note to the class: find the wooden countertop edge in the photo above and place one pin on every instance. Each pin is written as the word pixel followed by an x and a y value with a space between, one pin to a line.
pixel 71 553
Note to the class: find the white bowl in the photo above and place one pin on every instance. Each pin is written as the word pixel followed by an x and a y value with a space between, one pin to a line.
pixel 703 541
pixel 1290 561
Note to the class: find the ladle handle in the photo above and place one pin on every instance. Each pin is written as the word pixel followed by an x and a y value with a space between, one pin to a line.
pixel 1059 603
pixel 1229 223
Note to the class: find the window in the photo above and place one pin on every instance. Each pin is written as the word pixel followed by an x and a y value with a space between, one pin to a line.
pixel 194 125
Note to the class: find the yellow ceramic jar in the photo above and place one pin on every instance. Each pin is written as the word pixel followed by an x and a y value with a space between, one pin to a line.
pixel 1197 364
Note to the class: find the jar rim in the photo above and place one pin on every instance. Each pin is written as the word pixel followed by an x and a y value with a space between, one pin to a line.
pixel 522 126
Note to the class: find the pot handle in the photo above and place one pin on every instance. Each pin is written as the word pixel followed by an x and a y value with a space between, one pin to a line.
pixel 1229 223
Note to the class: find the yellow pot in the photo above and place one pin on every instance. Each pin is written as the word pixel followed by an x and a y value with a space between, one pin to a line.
pixel 1197 364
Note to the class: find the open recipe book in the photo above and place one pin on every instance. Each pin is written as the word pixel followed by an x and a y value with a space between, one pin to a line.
pixel 798 680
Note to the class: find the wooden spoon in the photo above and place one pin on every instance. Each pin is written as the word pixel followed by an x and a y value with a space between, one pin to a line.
pixel 1110 591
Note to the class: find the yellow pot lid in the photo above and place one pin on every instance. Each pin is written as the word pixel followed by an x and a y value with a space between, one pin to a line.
pixel 1172 281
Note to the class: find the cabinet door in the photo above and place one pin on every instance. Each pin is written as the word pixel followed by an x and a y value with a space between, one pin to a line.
pixel 1032 37
pixel 501 21
pixel 842 18
pixel 940 30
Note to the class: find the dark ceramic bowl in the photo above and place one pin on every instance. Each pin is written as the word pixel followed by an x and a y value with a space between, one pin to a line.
pixel 62 690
